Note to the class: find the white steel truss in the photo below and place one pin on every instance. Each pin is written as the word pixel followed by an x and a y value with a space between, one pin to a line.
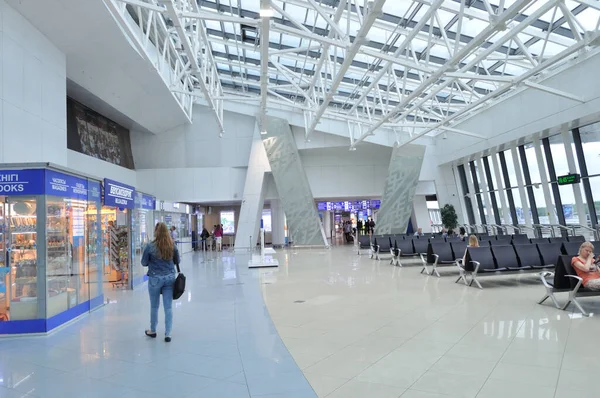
pixel 414 67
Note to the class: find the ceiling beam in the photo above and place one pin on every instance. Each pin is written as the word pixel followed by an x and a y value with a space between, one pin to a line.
pixel 264 65
pixel 373 11
pixel 196 69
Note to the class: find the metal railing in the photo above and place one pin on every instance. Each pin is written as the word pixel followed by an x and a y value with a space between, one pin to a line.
pixel 589 232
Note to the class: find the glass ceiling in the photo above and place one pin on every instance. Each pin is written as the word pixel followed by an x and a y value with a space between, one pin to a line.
pixel 422 63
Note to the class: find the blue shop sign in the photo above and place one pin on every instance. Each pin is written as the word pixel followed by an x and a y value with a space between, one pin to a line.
pixel 94 192
pixel 117 194
pixel 66 186
pixel 22 182
pixel 148 202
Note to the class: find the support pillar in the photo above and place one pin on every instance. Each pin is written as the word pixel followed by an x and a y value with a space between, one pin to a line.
pixel 400 188
pixel 254 196
pixel 294 191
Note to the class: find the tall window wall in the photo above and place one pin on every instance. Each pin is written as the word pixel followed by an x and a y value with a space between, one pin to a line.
pixel 520 195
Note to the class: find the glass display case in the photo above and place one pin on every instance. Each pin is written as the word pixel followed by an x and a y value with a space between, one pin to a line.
pixel 47 254
pixel 20 241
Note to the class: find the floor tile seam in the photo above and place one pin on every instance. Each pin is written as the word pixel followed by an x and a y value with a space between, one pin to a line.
pixel 563 356
pixel 264 305
pixel 442 356
pixel 499 360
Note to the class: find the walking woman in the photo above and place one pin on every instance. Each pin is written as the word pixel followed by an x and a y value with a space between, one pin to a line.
pixel 160 256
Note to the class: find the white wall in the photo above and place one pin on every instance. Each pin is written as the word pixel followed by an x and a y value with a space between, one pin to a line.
pixel 100 169
pixel 197 144
pixel 195 185
pixel 32 93
pixel 337 172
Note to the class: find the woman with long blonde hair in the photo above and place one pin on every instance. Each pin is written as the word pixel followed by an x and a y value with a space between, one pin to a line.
pixel 160 256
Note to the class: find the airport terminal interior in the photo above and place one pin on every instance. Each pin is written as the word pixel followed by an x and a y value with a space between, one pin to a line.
pixel 368 198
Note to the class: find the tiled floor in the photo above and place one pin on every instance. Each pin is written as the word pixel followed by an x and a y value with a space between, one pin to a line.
pixel 354 326
pixel 364 328
pixel 224 345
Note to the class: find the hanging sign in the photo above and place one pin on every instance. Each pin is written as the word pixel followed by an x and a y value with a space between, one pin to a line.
pixel 569 179
pixel 117 194
pixel 21 182
pixel 148 202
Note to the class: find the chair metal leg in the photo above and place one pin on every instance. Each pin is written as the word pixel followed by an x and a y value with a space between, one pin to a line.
pixel 474 279
pixel 435 271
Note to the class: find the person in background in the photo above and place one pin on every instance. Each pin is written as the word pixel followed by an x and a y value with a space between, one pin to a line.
pixel 371 226
pixel 174 234
pixel 419 232
pixel 462 233
pixel 160 256
pixel 359 226
pixel 219 237
pixel 203 237
pixel 586 268
pixel 473 242
pixel 444 233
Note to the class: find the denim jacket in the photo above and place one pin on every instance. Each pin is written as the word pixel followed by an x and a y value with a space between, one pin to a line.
pixel 156 265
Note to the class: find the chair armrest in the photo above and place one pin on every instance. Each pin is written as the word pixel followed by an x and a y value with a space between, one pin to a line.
pixel 543 276
pixel 579 282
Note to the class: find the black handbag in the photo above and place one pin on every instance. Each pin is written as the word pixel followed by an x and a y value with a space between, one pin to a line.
pixel 179 286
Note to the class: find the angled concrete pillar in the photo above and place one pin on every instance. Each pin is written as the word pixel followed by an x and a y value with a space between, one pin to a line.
pixel 400 188
pixel 254 195
pixel 294 191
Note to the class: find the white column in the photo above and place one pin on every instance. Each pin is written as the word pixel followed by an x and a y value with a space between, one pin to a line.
pixel 501 191
pixel 421 214
pixel 568 140
pixel 254 195
pixel 327 223
pixel 461 196
pixel 521 184
pixel 277 223
pixel 541 165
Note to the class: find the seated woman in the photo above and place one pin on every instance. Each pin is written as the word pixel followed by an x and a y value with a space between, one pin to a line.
pixel 462 234
pixel 473 242
pixel 586 268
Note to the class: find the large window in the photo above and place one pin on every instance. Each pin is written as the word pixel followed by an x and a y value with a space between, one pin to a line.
pixel 510 166
pixel 559 155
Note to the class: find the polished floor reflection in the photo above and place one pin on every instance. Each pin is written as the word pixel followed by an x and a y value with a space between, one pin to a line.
pixel 363 328
pixel 224 345
pixel 326 323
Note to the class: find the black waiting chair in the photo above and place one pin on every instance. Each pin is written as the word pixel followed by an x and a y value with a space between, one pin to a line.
pixel 520 239
pixel 558 240
pixel 478 260
pixel 364 243
pixel 529 256
pixel 535 241
pixel 383 245
pixel 504 237
pixel 459 249
pixel 420 245
pixel 507 258
pixel 406 249
pixel 571 248
pixel 438 253
pixel 550 253
pixel 486 237
pixel 565 280
pixel 453 239
pixel 576 238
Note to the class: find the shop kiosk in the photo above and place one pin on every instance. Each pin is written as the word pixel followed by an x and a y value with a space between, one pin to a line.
pixel 48 251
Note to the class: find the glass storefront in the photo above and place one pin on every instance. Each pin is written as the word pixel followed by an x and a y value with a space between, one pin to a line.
pixel 49 249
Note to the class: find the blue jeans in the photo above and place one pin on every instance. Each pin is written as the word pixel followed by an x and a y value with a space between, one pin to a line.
pixel 157 285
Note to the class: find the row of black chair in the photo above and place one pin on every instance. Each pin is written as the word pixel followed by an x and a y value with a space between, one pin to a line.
pixel 565 280
pixel 527 257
